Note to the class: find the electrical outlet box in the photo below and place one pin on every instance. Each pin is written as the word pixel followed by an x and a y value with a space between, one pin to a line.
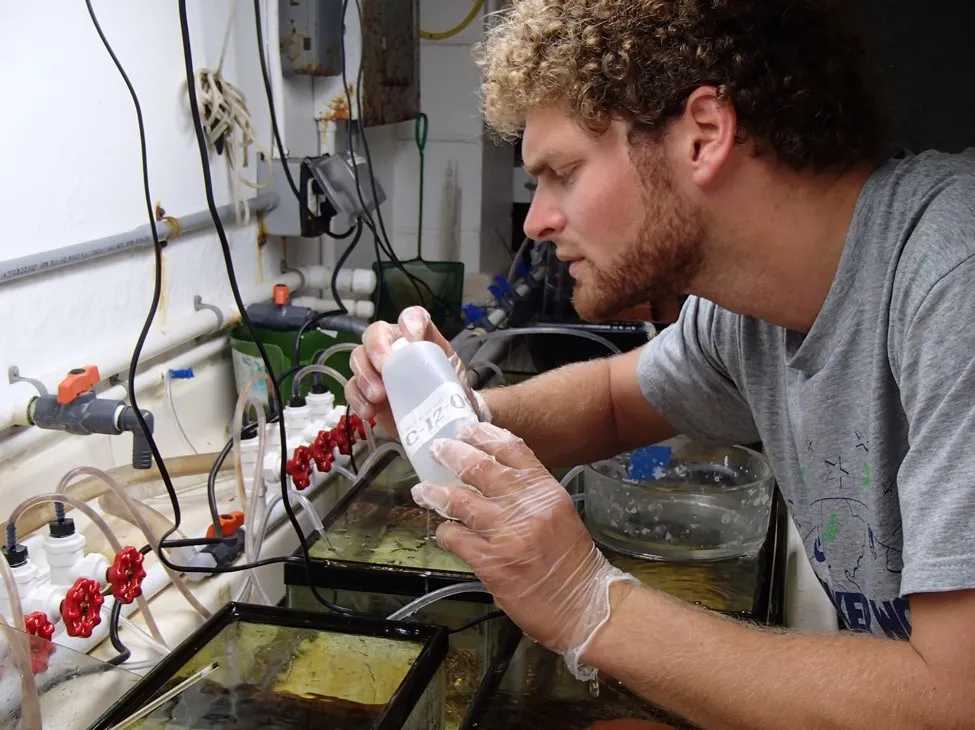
pixel 311 37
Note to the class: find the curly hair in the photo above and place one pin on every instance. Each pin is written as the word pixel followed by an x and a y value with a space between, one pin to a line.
pixel 790 69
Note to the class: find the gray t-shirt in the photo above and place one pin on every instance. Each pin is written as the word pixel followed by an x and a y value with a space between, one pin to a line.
pixel 869 419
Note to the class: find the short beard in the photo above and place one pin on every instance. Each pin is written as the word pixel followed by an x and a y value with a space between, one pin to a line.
pixel 661 263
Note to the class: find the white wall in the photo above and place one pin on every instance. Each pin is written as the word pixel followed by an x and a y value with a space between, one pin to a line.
pixel 72 173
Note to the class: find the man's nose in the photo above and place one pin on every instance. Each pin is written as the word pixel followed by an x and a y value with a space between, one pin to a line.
pixel 545 221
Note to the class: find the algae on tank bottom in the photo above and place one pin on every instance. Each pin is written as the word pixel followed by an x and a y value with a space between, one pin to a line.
pixel 383 526
pixel 284 677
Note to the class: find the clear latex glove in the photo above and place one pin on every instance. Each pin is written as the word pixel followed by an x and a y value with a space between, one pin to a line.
pixel 522 536
pixel 365 391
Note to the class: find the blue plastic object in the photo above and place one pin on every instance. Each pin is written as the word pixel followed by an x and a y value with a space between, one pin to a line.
pixel 648 462
pixel 473 313
pixel 181 374
pixel 523 269
pixel 503 284
pixel 496 292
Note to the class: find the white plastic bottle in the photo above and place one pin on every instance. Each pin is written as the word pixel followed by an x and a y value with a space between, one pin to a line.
pixel 428 402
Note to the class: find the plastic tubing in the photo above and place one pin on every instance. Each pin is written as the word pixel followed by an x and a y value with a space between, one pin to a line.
pixel 433 596
pixel 380 451
pixel 13 596
pixel 316 368
pixel 245 400
pixel 151 538
pixel 20 645
pixel 125 476
pixel 334 350
pixel 253 552
pixel 571 475
pixel 490 366
pixel 99 522
pixel 518 331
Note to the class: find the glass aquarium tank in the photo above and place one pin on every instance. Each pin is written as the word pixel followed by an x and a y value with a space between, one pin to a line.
pixel 537 692
pixel 259 666
pixel 379 554
pixel 680 501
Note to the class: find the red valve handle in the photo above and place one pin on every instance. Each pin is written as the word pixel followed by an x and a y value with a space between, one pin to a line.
pixel 299 467
pixel 37 624
pixel 41 632
pixel 126 575
pixel 81 607
pixel 321 451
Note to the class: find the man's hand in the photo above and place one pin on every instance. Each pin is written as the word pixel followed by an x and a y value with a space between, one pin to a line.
pixel 365 391
pixel 520 533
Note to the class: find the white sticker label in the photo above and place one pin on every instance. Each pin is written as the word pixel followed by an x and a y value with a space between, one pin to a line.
pixel 447 403
pixel 245 367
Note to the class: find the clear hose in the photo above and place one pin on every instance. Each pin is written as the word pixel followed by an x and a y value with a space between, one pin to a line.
pixel 569 331
pixel 571 475
pixel 161 649
pixel 380 451
pixel 490 366
pixel 315 368
pixel 132 506
pixel 13 595
pixel 254 550
pixel 334 350
pixel 433 596
pixel 126 476
pixel 100 523
pixel 244 401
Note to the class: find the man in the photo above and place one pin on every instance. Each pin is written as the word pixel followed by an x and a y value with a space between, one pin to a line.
pixel 726 150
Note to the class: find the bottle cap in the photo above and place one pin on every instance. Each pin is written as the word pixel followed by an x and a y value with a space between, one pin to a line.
pixel 400 344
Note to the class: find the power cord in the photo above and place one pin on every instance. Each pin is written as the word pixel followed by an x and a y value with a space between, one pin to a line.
pixel 113 627
pixel 381 241
pixel 231 275
pixel 266 77
pixel 157 284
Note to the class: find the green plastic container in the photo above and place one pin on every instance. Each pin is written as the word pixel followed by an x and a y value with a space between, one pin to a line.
pixel 280 349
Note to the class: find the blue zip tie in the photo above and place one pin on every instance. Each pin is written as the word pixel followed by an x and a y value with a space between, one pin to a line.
pixel 181 374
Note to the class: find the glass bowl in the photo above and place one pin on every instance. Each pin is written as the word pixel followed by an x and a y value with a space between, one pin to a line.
pixel 680 501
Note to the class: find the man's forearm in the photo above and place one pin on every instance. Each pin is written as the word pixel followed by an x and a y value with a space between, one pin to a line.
pixel 565 416
pixel 720 673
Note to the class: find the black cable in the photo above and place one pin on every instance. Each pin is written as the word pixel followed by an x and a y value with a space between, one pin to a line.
pixel 274 121
pixel 489 616
pixel 383 241
pixel 157 284
pixel 229 263
pixel 308 324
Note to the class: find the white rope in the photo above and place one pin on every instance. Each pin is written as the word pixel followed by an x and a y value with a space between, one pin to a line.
pixel 227 121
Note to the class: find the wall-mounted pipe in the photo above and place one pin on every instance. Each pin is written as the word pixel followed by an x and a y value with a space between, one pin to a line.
pixel 33 438
pixel 115 359
pixel 140 237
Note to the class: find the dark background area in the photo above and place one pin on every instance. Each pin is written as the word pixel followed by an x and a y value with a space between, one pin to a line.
pixel 921 54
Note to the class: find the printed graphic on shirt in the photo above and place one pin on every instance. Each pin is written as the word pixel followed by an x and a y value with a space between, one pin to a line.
pixel 846 544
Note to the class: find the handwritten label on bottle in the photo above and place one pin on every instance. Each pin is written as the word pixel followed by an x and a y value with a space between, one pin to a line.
pixel 447 403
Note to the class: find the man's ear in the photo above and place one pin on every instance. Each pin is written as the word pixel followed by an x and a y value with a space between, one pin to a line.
pixel 705 134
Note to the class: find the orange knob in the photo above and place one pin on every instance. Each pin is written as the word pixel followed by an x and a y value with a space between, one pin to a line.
pixel 229 524
pixel 78 381
pixel 281 294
